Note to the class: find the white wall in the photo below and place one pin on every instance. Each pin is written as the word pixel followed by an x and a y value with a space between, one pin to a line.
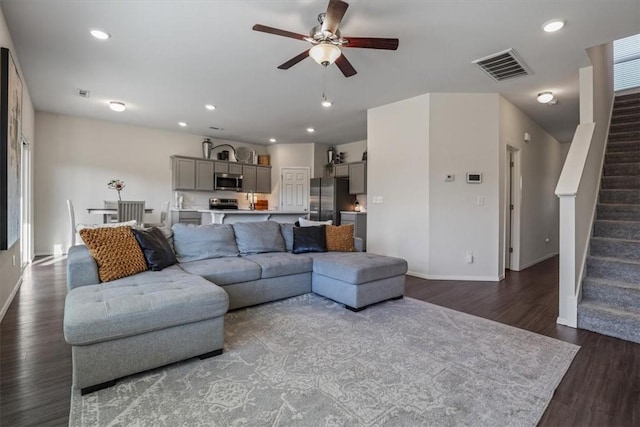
pixel 540 166
pixel 10 274
pixel 464 137
pixel 352 150
pixel 320 159
pixel 397 171
pixel 288 155
pixel 78 157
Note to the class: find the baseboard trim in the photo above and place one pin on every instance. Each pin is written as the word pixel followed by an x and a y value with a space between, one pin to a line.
pixel 534 262
pixel 416 274
pixel 10 299
pixel 466 278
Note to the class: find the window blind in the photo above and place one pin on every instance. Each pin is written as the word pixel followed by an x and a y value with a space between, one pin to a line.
pixel 626 60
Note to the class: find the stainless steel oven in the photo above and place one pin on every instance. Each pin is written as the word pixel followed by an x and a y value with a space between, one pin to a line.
pixel 227 182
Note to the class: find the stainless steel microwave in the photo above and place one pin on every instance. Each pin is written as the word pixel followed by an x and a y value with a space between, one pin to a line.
pixel 227 182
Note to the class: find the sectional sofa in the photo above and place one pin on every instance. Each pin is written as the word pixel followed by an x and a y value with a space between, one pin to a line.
pixel 154 318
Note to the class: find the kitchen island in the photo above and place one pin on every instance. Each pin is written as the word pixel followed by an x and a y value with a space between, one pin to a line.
pixel 230 216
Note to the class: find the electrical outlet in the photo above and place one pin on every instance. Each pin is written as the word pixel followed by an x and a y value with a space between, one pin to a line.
pixel 377 199
pixel 469 258
pixel 480 201
pixel 449 177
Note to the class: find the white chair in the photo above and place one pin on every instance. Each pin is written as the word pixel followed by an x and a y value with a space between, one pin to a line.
pixel 128 210
pixel 165 218
pixel 72 223
pixel 111 204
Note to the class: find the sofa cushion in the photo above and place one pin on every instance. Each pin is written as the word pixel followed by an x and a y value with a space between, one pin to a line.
pixel 195 242
pixel 155 248
pixel 137 304
pixel 281 264
pixel 287 235
pixel 115 250
pixel 259 237
pixel 309 239
pixel 357 267
pixel 224 271
pixel 339 238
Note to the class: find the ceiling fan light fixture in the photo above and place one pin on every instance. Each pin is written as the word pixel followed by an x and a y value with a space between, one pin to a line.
pixel 325 53
pixel 326 103
pixel 544 97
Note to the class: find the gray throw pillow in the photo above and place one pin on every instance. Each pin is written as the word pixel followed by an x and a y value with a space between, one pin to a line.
pixel 194 242
pixel 259 237
pixel 287 233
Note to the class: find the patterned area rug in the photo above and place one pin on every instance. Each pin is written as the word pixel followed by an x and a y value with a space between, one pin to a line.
pixel 307 361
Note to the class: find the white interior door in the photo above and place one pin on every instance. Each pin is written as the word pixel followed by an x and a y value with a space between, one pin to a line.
pixel 294 189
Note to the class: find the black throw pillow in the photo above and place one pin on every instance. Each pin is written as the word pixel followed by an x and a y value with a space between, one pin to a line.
pixel 155 248
pixel 309 239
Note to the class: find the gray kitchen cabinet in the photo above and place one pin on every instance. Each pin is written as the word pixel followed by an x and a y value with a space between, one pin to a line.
pixel 204 175
pixel 185 217
pixel 359 221
pixel 341 169
pixel 358 178
pixel 221 167
pixel 183 173
pixel 235 168
pixel 249 178
pixel 263 180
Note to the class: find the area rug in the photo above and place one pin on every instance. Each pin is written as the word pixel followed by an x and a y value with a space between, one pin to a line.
pixel 307 361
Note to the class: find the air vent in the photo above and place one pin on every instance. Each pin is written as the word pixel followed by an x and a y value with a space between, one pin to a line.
pixel 503 65
pixel 83 93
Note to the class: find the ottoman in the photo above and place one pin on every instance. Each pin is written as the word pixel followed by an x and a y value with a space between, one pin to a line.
pixel 141 322
pixel 357 279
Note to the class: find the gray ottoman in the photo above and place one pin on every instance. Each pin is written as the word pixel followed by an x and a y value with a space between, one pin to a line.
pixel 357 279
pixel 141 322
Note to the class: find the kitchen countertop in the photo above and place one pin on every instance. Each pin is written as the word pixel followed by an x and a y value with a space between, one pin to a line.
pixel 194 209
pixel 354 212
pixel 250 212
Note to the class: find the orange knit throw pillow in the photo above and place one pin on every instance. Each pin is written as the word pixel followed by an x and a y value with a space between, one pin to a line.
pixel 339 238
pixel 115 250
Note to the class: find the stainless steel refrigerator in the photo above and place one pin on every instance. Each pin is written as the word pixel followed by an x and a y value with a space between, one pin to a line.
pixel 329 196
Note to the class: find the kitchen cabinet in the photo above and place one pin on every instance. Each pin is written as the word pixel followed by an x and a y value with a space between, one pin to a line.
pixel 249 178
pixel 221 167
pixel 183 173
pixel 357 178
pixel 235 168
pixel 263 180
pixel 204 175
pixel 185 217
pixel 341 170
pixel 359 221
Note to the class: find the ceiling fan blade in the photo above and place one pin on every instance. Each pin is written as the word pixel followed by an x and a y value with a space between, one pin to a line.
pixel 345 66
pixel 371 43
pixel 293 61
pixel 277 32
pixel 335 12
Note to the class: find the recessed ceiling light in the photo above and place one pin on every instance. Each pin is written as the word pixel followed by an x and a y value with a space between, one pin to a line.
pixel 553 25
pixel 544 97
pixel 326 103
pixel 99 34
pixel 272 140
pixel 183 124
pixel 117 106
pixel 210 107
pixel 311 130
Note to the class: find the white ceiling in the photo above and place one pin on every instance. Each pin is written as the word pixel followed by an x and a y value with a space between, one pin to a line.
pixel 167 59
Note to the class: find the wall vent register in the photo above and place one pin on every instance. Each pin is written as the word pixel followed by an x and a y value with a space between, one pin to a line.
pixel 474 177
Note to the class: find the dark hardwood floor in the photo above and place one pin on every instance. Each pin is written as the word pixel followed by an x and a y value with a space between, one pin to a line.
pixel 601 388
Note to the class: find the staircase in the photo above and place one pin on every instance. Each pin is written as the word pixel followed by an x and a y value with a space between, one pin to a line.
pixel 611 289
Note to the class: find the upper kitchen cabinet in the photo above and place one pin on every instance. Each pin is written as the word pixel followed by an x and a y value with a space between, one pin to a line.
pixel 358 178
pixel 341 169
pixel 249 178
pixel 204 175
pixel 183 173
pixel 263 180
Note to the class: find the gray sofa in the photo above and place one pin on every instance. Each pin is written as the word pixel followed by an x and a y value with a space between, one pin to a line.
pixel 155 318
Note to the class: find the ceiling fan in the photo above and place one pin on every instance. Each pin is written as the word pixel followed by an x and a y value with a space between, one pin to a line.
pixel 327 40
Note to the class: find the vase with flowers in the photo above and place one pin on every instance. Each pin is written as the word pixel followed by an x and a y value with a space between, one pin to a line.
pixel 118 185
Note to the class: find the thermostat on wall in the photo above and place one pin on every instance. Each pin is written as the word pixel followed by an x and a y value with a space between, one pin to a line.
pixel 474 177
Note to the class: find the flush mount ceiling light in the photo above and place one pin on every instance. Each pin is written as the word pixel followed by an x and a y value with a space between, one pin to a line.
pixel 311 130
pixel 182 124
pixel 326 103
pixel 325 53
pixel 272 140
pixel 553 25
pixel 99 34
pixel 544 97
pixel 117 106
pixel 210 107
